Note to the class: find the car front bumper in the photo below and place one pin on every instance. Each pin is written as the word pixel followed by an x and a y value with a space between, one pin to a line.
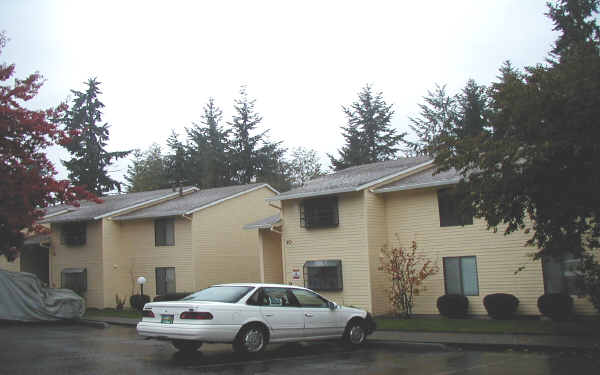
pixel 197 332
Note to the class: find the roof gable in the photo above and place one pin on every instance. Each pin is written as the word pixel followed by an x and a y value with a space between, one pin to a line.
pixel 357 178
pixel 112 204
pixel 194 202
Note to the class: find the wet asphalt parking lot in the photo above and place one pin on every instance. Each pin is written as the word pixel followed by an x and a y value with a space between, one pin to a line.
pixel 76 349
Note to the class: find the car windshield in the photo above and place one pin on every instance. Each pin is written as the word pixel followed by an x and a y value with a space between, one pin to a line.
pixel 220 294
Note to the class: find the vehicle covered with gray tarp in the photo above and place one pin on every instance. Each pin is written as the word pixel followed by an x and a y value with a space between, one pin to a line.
pixel 23 298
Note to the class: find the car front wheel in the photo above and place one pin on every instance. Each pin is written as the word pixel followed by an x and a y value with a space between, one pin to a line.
pixel 251 339
pixel 355 333
pixel 186 345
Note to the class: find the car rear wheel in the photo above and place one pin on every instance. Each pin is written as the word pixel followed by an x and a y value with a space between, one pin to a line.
pixel 251 339
pixel 355 334
pixel 186 345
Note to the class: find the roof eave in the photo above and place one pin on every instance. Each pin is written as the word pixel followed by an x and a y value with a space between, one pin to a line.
pixel 417 186
pixel 351 189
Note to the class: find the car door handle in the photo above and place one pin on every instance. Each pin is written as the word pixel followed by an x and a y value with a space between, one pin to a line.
pixel 308 315
pixel 268 314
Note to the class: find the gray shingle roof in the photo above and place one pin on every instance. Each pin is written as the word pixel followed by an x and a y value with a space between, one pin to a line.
pixel 422 179
pixel 190 202
pixel 267 222
pixel 354 178
pixel 90 210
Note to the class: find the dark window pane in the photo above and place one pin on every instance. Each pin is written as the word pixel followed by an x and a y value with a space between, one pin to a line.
pixel 74 234
pixel 164 232
pixel 309 299
pixel 319 213
pixel 323 275
pixel 452 276
pixel 451 213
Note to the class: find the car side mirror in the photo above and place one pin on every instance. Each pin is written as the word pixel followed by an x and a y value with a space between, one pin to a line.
pixel 332 305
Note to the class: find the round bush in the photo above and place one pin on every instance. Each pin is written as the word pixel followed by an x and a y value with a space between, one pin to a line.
pixel 137 301
pixel 453 305
pixel 556 306
pixel 501 305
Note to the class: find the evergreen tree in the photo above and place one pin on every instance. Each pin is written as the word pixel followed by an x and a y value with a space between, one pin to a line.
pixel 472 110
pixel 27 178
pixel 369 135
pixel 253 157
pixel 533 166
pixel 438 116
pixel 178 162
pixel 90 160
pixel 148 170
pixel 208 148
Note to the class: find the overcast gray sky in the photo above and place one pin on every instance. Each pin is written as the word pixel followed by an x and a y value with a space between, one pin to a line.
pixel 159 61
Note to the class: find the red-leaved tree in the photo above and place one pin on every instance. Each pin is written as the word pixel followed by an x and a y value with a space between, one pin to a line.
pixel 27 183
pixel 407 270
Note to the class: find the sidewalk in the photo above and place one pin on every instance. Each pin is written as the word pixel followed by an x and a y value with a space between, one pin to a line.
pixel 452 338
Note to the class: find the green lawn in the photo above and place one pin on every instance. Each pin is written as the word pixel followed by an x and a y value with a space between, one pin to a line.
pixel 587 327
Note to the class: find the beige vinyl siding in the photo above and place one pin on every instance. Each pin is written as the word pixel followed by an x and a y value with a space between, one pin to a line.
pixel 88 256
pixel 116 264
pixel 271 250
pixel 223 251
pixel 346 242
pixel 377 238
pixel 14 266
pixel 137 241
pixel 414 215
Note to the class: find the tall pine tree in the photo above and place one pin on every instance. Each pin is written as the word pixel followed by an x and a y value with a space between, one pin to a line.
pixel 208 147
pixel 438 115
pixel 148 170
pixel 369 135
pixel 89 163
pixel 253 157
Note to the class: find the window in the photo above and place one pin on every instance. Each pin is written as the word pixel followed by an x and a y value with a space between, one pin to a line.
pixel 165 280
pixel 560 274
pixel 460 276
pixel 277 297
pixel 229 294
pixel 319 213
pixel 309 299
pixel 73 234
pixel 323 275
pixel 74 279
pixel 164 232
pixel 451 213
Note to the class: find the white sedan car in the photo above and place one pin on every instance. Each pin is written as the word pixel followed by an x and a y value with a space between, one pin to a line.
pixel 251 315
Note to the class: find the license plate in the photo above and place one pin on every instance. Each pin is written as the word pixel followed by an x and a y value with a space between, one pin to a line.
pixel 166 319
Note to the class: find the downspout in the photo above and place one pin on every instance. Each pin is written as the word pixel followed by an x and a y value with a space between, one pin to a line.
pixel 186 217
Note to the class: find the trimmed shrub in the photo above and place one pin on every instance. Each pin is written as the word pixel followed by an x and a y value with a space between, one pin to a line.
pixel 171 297
pixel 501 305
pixel 453 305
pixel 137 301
pixel 556 306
